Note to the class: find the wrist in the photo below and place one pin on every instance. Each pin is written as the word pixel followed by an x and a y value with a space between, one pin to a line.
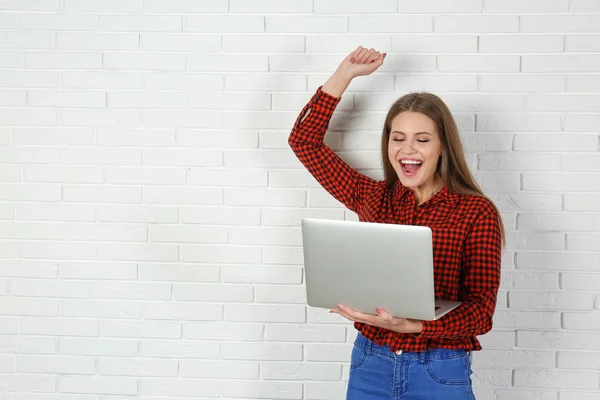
pixel 337 83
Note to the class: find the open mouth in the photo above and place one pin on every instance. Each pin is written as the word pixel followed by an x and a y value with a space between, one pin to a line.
pixel 410 167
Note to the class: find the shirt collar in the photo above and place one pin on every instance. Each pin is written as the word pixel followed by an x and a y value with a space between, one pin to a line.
pixel 401 192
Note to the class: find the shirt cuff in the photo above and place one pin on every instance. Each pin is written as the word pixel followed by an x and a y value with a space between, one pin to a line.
pixel 324 102
pixel 430 329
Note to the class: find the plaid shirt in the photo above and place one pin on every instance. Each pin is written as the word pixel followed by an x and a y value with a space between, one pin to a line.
pixel 467 242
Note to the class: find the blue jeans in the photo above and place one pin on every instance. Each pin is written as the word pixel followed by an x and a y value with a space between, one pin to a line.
pixel 376 373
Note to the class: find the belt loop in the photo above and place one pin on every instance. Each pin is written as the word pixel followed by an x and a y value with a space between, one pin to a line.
pixel 422 356
pixel 369 347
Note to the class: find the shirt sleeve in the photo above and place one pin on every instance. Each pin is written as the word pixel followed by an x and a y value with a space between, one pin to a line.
pixel 306 140
pixel 481 262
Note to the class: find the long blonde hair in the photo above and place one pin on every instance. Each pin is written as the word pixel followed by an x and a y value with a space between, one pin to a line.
pixel 452 166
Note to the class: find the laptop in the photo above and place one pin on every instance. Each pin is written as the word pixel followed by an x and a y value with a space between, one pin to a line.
pixel 366 265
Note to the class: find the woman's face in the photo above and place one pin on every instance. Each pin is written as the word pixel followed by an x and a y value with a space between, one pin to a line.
pixel 414 148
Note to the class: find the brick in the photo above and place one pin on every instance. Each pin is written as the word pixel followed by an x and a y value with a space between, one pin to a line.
pixel 31 5
pixel 579 321
pixel 178 349
pixel 577 359
pixel 41 231
pixel 544 379
pixel 550 300
pixel 440 7
pixel 143 368
pixel 141 23
pixel 58 250
pixel 440 83
pixel 514 394
pixel 9 21
pixel 98 41
pixel 563 103
pixel 183 81
pixel 149 138
pixel 102 156
pixel 558 261
pixel 283 255
pixel 532 6
pixel 29 307
pixel 281 294
pixel 186 6
pixel 28 193
pixel 28 382
pixel 59 327
pixel 377 83
pixel 271 82
pixel 263 44
pixel 231 101
pixel 582 43
pixel 583 6
pixel 27 40
pixel 224 23
pixel 190 312
pixel 100 118
pixel 514 359
pixel 478 63
pixel 44 288
pixel 304 24
pixel 27 117
pixel 434 44
pixel 304 333
pixel 529 280
pixel 265 313
pixel 182 157
pixel 183 119
pixel 558 222
pixel 518 162
pixel 102 194
pixel 227 63
pixel 581 202
pixel 390 24
pixel 560 23
pixel 344 44
pixel 228 177
pixel 98 385
pixel 267 197
pixel 144 61
pixel 59 22
pixel 527 319
pixel 183 195
pixel 583 83
pixel 220 215
pixel 301 371
pixel 262 351
pixel 101 309
pixel 55 364
pixel 301 62
pixel 221 254
pixel 492 377
pixel 180 43
pixel 188 234
pixel 179 387
pixel 573 281
pixel 29 79
pixel 222 331
pixel 521 44
pixel 560 63
pixel 101 79
pixel 271 6
pixel 145 100
pixel 10 173
pixel 561 182
pixel 477 23
pixel 213 293
pixel 134 291
pixel 261 159
pixel 553 143
pixel 58 174
pixel 97 270
pixel 266 236
pixel 9 250
pixel 518 122
pixel 522 83
pixel 11 59
pixel 52 136
pixel 141 329
pixel 97 347
pixel 138 252
pixel 112 6
pixel 281 217
pixel 27 269
pixel 146 175
pixel 179 272
pixel 582 123
pixel 219 369
pixel 355 6
pixel 107 232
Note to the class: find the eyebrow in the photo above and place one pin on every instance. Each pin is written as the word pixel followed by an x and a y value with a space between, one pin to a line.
pixel 418 133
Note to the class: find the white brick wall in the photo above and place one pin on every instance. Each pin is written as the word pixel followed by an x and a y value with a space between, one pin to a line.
pixel 150 243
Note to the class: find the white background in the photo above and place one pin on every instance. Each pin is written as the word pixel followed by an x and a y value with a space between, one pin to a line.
pixel 150 206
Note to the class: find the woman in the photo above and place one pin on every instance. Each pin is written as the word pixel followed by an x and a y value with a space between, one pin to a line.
pixel 427 182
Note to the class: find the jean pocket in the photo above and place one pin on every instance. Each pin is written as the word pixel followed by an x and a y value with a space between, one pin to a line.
pixel 450 371
pixel 358 357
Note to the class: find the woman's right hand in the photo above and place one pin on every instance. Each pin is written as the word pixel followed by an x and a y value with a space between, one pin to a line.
pixel 360 62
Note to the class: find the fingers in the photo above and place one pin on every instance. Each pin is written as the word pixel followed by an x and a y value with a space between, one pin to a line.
pixel 362 55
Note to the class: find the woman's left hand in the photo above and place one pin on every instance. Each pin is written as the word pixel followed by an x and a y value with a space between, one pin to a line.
pixel 382 320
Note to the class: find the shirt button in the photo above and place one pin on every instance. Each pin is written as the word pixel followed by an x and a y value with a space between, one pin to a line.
pixel 399 352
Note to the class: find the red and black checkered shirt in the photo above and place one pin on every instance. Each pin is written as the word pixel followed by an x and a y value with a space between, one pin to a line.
pixel 467 242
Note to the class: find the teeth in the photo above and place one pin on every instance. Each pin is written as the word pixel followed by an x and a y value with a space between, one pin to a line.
pixel 411 162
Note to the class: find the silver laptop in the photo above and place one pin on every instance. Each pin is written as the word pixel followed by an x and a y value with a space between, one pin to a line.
pixel 368 265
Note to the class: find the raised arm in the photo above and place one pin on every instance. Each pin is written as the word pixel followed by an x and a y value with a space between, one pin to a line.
pixel 306 139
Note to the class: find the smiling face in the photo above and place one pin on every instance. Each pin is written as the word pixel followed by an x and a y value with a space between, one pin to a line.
pixel 414 148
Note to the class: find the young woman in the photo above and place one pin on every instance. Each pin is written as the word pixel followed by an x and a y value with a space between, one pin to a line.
pixel 427 182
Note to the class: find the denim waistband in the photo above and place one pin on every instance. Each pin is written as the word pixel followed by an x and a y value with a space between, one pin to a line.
pixel 370 347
